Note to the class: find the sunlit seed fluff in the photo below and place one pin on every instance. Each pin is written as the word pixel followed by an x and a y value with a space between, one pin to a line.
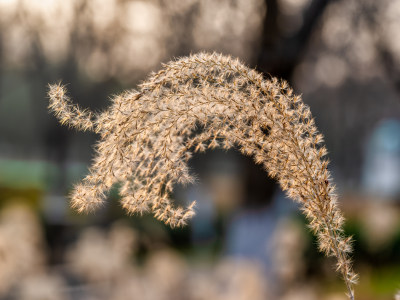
pixel 195 103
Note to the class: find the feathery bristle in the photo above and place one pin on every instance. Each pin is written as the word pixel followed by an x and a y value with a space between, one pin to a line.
pixel 199 102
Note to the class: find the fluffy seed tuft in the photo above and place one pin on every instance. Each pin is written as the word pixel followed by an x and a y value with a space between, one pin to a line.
pixel 195 103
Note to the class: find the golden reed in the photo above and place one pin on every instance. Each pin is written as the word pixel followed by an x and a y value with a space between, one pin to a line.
pixel 195 103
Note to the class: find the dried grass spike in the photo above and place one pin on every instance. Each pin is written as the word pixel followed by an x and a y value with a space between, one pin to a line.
pixel 199 102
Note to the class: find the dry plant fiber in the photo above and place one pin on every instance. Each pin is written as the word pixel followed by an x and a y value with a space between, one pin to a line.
pixel 195 103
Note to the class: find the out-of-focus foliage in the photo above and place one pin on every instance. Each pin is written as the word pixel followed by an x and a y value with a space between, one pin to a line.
pixel 104 264
pixel 350 75
pixel 111 38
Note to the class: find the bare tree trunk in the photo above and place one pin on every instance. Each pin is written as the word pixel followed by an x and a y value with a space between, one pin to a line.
pixel 280 54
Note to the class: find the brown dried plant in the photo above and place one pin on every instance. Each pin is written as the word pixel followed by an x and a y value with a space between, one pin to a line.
pixel 195 103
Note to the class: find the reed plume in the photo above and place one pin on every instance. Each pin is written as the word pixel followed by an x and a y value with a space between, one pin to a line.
pixel 195 103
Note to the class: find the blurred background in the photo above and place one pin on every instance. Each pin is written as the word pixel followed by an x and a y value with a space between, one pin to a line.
pixel 247 241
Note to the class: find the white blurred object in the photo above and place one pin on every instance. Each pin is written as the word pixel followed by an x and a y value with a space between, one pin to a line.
pixel 381 222
pixel 381 175
pixel 21 246
pixel 42 286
